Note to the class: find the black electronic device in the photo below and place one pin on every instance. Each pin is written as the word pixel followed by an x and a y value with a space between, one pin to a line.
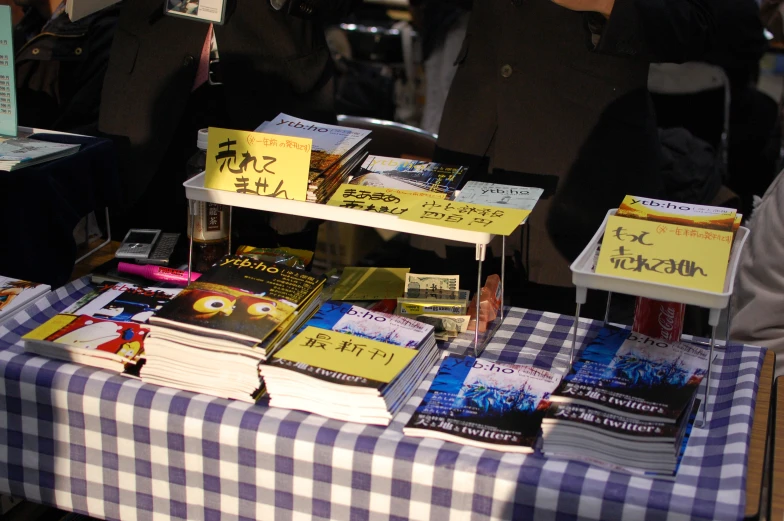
pixel 137 244
pixel 162 251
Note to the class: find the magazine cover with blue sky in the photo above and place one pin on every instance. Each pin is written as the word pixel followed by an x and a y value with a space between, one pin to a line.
pixel 330 142
pixel 495 405
pixel 633 375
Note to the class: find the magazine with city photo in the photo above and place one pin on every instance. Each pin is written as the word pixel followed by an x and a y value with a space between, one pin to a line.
pixel 122 302
pixel 636 376
pixel 330 142
pixel 409 174
pixel 493 405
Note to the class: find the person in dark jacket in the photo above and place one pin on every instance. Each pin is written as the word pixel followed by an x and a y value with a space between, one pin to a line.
pixel 553 93
pixel 60 65
pixel 169 76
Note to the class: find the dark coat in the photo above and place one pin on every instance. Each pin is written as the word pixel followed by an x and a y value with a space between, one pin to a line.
pixel 562 95
pixel 270 62
pixel 59 73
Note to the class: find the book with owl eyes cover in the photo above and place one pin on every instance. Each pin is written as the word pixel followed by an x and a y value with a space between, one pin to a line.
pixel 238 302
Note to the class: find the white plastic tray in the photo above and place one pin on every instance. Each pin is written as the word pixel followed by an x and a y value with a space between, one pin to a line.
pixel 584 277
pixel 194 190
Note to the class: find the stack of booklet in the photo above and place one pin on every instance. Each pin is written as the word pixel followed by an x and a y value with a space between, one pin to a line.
pixel 628 403
pixel 351 364
pixel 212 337
pixel 492 405
pixel 410 174
pixel 335 153
pixel 16 295
pixel 21 152
pixel 102 329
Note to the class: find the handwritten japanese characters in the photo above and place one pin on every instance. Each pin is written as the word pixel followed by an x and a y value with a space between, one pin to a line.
pixel 7 76
pixel 258 164
pixel 425 208
pixel 352 355
pixel 665 253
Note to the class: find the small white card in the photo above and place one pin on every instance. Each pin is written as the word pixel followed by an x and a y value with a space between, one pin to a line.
pixel 209 11
pixel 505 196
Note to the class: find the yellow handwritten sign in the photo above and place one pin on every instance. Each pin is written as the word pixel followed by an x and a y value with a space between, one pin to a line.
pixel 665 253
pixel 347 354
pixel 424 207
pixel 258 163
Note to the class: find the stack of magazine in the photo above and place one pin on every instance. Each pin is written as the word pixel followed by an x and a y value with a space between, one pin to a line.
pixel 410 174
pixel 102 329
pixel 336 151
pixel 628 403
pixel 487 404
pixel 16 295
pixel 351 364
pixel 16 153
pixel 212 337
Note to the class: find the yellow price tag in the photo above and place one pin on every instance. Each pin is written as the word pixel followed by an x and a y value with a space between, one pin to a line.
pixel 665 253
pixel 349 354
pixel 257 163
pixel 426 208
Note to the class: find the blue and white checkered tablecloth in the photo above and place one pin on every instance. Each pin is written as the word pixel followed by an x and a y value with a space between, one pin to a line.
pixel 112 447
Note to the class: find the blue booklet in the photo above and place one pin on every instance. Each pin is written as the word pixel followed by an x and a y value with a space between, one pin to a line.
pixel 493 405
pixel 635 376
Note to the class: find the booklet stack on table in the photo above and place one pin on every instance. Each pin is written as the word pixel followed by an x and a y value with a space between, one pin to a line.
pixel 212 337
pixel 351 364
pixel 628 402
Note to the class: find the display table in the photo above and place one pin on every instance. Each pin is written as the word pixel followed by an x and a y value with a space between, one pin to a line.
pixel 101 444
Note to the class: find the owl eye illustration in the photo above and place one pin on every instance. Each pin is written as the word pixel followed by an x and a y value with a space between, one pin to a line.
pixel 213 304
pixel 260 308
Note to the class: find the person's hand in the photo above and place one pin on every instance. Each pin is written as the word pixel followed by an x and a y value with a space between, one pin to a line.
pixel 600 6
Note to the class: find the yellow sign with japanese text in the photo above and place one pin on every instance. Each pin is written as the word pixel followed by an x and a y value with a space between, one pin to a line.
pixel 257 163
pixel 426 208
pixel 665 253
pixel 349 354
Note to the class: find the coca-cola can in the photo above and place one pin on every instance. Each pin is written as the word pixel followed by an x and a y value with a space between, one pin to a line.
pixel 659 319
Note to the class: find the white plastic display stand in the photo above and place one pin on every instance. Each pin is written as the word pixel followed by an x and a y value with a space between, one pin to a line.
pixel 195 191
pixel 584 277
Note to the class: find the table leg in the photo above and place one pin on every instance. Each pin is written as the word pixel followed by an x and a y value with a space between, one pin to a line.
pixel 729 323
pixel 231 212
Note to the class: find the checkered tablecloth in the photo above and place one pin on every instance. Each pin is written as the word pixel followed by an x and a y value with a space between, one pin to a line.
pixel 97 443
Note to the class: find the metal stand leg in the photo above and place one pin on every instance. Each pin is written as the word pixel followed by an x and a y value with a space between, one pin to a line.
pixel 705 403
pixel 607 310
pixel 729 323
pixel 503 274
pixel 480 256
pixel 574 336
pixel 192 209
pixel 231 215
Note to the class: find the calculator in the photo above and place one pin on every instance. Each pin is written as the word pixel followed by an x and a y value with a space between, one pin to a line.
pixel 162 250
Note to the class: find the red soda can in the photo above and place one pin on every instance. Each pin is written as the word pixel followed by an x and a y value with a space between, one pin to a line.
pixel 659 319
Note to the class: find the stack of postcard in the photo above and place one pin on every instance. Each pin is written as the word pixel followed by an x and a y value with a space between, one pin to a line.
pixel 336 151
pixel 212 337
pixel 103 329
pixel 351 364
pixel 628 403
